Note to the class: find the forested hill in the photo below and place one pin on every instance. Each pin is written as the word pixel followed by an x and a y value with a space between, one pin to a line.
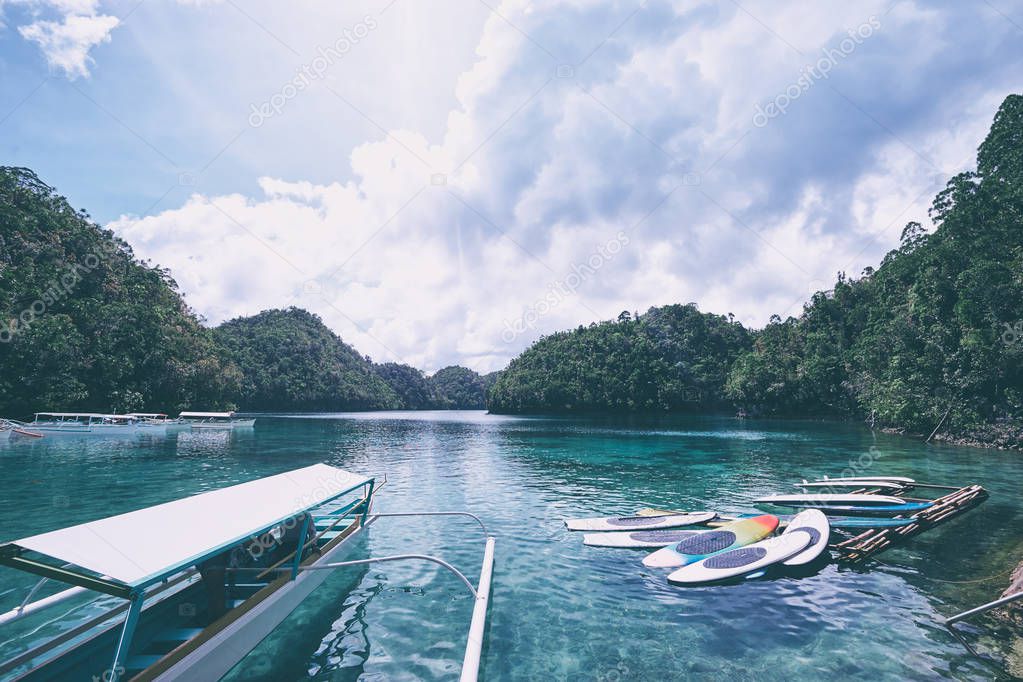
pixel 83 324
pixel 933 336
pixel 451 388
pixel 293 362
pixel 671 358
pixel 86 326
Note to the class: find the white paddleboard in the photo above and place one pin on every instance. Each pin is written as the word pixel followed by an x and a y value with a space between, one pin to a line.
pixel 858 499
pixel 893 479
pixel 743 560
pixel 637 538
pixel 858 483
pixel 815 523
pixel 633 523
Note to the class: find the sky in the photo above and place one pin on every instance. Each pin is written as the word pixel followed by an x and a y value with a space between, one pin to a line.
pixel 445 182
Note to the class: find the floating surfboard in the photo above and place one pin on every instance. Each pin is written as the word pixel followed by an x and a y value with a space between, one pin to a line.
pixel 893 479
pixel 638 538
pixel 743 560
pixel 702 545
pixel 784 519
pixel 858 483
pixel 815 524
pixel 867 522
pixel 830 499
pixel 867 510
pixel 640 522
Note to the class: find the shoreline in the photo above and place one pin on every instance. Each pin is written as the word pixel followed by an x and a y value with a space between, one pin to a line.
pixel 988 436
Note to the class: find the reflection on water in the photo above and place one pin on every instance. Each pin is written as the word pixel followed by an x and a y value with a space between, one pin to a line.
pixel 562 610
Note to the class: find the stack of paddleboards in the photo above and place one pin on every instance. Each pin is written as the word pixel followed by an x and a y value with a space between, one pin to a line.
pixel 703 555
pixel 869 496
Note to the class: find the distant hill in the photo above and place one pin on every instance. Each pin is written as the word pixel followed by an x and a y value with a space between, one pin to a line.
pixel 672 358
pixel 84 325
pixel 451 388
pixel 290 361
pixel 411 385
pixel 459 388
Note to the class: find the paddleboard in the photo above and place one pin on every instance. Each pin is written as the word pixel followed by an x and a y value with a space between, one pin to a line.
pixel 743 560
pixel 638 538
pixel 858 483
pixel 640 522
pixel 815 524
pixel 702 545
pixel 830 499
pixel 784 519
pixel 835 521
pixel 893 479
pixel 880 510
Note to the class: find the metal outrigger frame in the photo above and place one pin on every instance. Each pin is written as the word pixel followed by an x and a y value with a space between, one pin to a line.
pixel 480 592
pixel 976 611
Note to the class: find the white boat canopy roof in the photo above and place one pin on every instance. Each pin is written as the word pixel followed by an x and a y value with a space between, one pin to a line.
pixel 74 414
pixel 136 547
pixel 147 414
pixel 206 414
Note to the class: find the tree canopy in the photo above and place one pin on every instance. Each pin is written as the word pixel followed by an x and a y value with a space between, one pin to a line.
pixel 84 325
pixel 933 334
pixel 671 358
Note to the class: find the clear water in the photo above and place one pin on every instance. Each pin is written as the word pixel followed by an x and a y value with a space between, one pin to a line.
pixel 562 611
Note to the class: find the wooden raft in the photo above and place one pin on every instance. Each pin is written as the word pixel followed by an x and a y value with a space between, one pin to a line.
pixel 944 508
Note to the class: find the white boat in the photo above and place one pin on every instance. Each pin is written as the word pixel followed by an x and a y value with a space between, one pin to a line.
pixel 200 581
pixel 214 420
pixel 159 418
pixel 91 423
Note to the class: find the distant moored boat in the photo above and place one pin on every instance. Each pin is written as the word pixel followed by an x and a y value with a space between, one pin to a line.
pixel 90 423
pixel 214 420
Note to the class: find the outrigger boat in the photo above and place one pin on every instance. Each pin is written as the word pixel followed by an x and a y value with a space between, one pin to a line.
pixel 238 574
pixel 90 423
pixel 159 418
pixel 12 427
pixel 214 420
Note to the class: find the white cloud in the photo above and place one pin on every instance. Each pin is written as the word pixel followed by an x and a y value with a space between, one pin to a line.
pixel 66 44
pixel 541 171
pixel 66 41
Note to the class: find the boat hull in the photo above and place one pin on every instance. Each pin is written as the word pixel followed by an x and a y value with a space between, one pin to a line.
pixel 214 658
pixel 97 429
pixel 237 424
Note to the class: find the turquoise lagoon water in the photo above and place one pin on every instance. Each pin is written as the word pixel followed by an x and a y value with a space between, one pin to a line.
pixel 562 611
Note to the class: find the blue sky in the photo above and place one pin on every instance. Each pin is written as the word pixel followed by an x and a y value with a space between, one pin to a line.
pixel 445 182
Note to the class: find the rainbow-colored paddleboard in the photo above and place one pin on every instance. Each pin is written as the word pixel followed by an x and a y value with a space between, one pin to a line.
pixel 702 545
